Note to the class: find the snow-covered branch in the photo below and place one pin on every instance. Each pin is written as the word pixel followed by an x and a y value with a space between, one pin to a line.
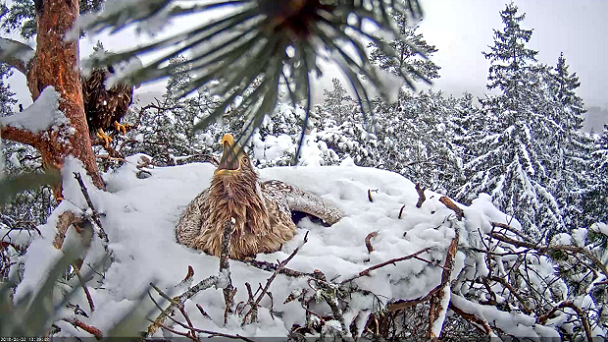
pixel 16 54
pixel 26 126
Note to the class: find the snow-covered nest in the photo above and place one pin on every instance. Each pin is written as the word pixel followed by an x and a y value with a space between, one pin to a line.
pixel 139 216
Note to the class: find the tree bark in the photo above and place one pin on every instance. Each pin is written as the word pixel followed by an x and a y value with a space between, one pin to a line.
pixel 56 63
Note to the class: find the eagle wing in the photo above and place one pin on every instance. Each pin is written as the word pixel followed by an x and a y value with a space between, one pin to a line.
pixel 291 198
pixel 104 106
pixel 194 220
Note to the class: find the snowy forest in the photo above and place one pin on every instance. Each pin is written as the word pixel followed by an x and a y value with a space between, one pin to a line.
pixel 464 217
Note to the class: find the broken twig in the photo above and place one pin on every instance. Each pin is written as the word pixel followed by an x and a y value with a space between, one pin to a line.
pixel 421 196
pixel 368 241
pixel 451 205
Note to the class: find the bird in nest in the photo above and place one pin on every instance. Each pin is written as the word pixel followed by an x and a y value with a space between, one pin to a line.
pixel 261 211
pixel 104 108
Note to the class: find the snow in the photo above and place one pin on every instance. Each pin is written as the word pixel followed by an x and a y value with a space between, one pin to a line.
pixel 139 216
pixel 43 114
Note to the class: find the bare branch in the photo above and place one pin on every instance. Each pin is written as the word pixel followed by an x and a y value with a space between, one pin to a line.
pixel 389 262
pixel 581 315
pixel 272 267
pixel 436 300
pixel 229 291
pixel 274 275
pixel 102 233
pixel 90 329
pixel 475 320
pixel 85 288
pixel 544 249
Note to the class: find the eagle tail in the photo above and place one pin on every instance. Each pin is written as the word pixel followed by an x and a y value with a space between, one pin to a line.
pixel 306 202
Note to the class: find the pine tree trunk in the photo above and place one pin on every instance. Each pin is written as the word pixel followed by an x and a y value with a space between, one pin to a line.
pixel 56 64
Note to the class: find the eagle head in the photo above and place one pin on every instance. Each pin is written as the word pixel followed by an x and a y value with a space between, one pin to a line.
pixel 235 180
pixel 234 161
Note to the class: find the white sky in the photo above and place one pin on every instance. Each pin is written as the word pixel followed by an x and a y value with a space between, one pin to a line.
pixel 461 30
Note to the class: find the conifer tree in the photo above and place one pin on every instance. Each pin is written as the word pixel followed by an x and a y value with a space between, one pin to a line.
pixel 568 150
pixel 508 156
pixel 412 53
pixel 338 102
pixel 509 57
pixel 596 209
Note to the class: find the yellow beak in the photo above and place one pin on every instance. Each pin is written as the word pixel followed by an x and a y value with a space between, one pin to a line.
pixel 230 161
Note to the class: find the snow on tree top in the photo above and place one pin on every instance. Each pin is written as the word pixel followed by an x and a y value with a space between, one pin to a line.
pixel 43 114
pixel 139 216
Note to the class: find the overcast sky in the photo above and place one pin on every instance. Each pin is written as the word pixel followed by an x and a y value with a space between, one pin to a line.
pixel 461 30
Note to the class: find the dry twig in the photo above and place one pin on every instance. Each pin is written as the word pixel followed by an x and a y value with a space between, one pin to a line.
pixel 451 205
pixel 401 211
pixel 88 328
pixel 272 267
pixel 421 196
pixel 389 262
pixel 368 241
pixel 85 288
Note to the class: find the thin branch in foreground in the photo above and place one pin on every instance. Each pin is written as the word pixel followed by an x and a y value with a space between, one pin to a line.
pixel 272 267
pixel 202 311
pixel 581 315
pixel 229 291
pixel 102 234
pixel 389 262
pixel 179 333
pixel 475 320
pixel 273 276
pixel 179 300
pixel 90 329
pixel 85 288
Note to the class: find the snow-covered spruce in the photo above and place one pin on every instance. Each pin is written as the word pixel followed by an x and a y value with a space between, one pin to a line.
pixel 523 297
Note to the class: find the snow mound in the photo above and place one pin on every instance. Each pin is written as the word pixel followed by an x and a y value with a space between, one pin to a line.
pixel 139 216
